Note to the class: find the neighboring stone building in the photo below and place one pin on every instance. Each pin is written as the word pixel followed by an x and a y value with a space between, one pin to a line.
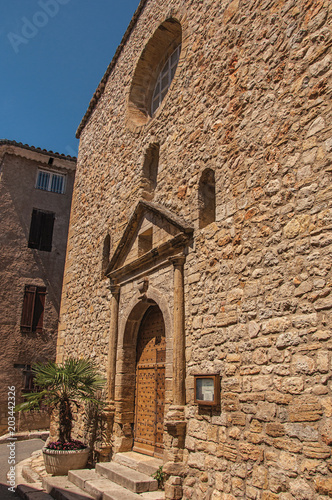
pixel 208 208
pixel 35 197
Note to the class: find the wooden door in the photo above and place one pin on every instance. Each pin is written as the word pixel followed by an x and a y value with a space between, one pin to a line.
pixel 150 384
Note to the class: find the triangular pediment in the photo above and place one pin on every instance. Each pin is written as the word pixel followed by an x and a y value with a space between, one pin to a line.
pixel 152 233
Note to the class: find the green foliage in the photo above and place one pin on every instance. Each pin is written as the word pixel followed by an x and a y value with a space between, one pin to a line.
pixel 95 429
pixel 160 476
pixel 62 385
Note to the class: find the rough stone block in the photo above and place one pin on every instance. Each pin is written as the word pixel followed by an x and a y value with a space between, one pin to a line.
pixel 305 409
pixel 323 485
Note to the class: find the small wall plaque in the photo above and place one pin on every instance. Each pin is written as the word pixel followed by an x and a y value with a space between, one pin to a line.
pixel 207 389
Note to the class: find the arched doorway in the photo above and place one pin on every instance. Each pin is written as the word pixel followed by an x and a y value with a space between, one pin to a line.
pixel 150 384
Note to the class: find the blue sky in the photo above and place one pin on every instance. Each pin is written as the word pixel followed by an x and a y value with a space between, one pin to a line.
pixel 53 55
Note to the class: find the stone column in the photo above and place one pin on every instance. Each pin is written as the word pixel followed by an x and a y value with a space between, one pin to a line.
pixel 113 342
pixel 179 341
pixel 175 418
pixel 109 410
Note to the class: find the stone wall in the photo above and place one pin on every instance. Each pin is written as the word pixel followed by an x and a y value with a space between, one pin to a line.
pixel 251 99
pixel 22 266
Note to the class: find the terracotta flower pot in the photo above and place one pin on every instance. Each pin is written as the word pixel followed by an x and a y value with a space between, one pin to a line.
pixel 59 462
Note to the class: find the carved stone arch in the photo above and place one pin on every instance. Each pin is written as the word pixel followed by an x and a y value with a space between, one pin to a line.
pixel 136 308
pixel 126 355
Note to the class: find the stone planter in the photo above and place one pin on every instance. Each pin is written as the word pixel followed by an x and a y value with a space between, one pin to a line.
pixel 59 462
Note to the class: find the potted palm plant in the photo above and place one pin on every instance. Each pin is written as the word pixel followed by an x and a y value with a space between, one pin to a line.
pixel 59 387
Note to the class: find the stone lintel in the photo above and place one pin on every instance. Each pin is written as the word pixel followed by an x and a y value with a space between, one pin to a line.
pixel 162 251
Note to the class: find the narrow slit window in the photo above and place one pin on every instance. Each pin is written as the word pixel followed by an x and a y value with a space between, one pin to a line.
pixel 150 171
pixel 207 198
pixel 106 255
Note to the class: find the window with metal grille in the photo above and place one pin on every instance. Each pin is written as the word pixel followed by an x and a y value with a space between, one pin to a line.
pixel 41 230
pixel 164 79
pixel 33 309
pixel 50 181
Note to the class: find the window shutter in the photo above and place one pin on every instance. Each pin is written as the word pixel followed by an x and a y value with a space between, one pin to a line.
pixel 35 228
pixel 38 316
pixel 28 308
pixel 46 231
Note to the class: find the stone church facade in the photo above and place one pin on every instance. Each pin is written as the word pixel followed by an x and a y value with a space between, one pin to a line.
pixel 198 271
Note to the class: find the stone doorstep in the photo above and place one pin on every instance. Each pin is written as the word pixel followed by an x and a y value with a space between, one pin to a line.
pixel 93 483
pixel 87 484
pixel 61 489
pixel 137 461
pixel 130 479
pixel 96 486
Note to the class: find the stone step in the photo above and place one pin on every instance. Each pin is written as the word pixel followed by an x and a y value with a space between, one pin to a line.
pixel 121 494
pixel 60 488
pixel 81 476
pixel 94 484
pixel 130 479
pixel 153 495
pixel 137 461
pixel 98 486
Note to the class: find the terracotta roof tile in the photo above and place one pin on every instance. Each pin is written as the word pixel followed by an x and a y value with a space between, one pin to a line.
pixel 39 150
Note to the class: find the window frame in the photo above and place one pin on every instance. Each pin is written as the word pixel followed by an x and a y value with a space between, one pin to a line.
pixel 33 308
pixel 41 230
pixel 169 72
pixel 165 39
pixel 215 377
pixel 51 175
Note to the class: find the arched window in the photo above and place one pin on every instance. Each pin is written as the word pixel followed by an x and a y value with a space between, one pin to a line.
pixel 164 79
pixel 150 171
pixel 154 72
pixel 106 255
pixel 207 198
